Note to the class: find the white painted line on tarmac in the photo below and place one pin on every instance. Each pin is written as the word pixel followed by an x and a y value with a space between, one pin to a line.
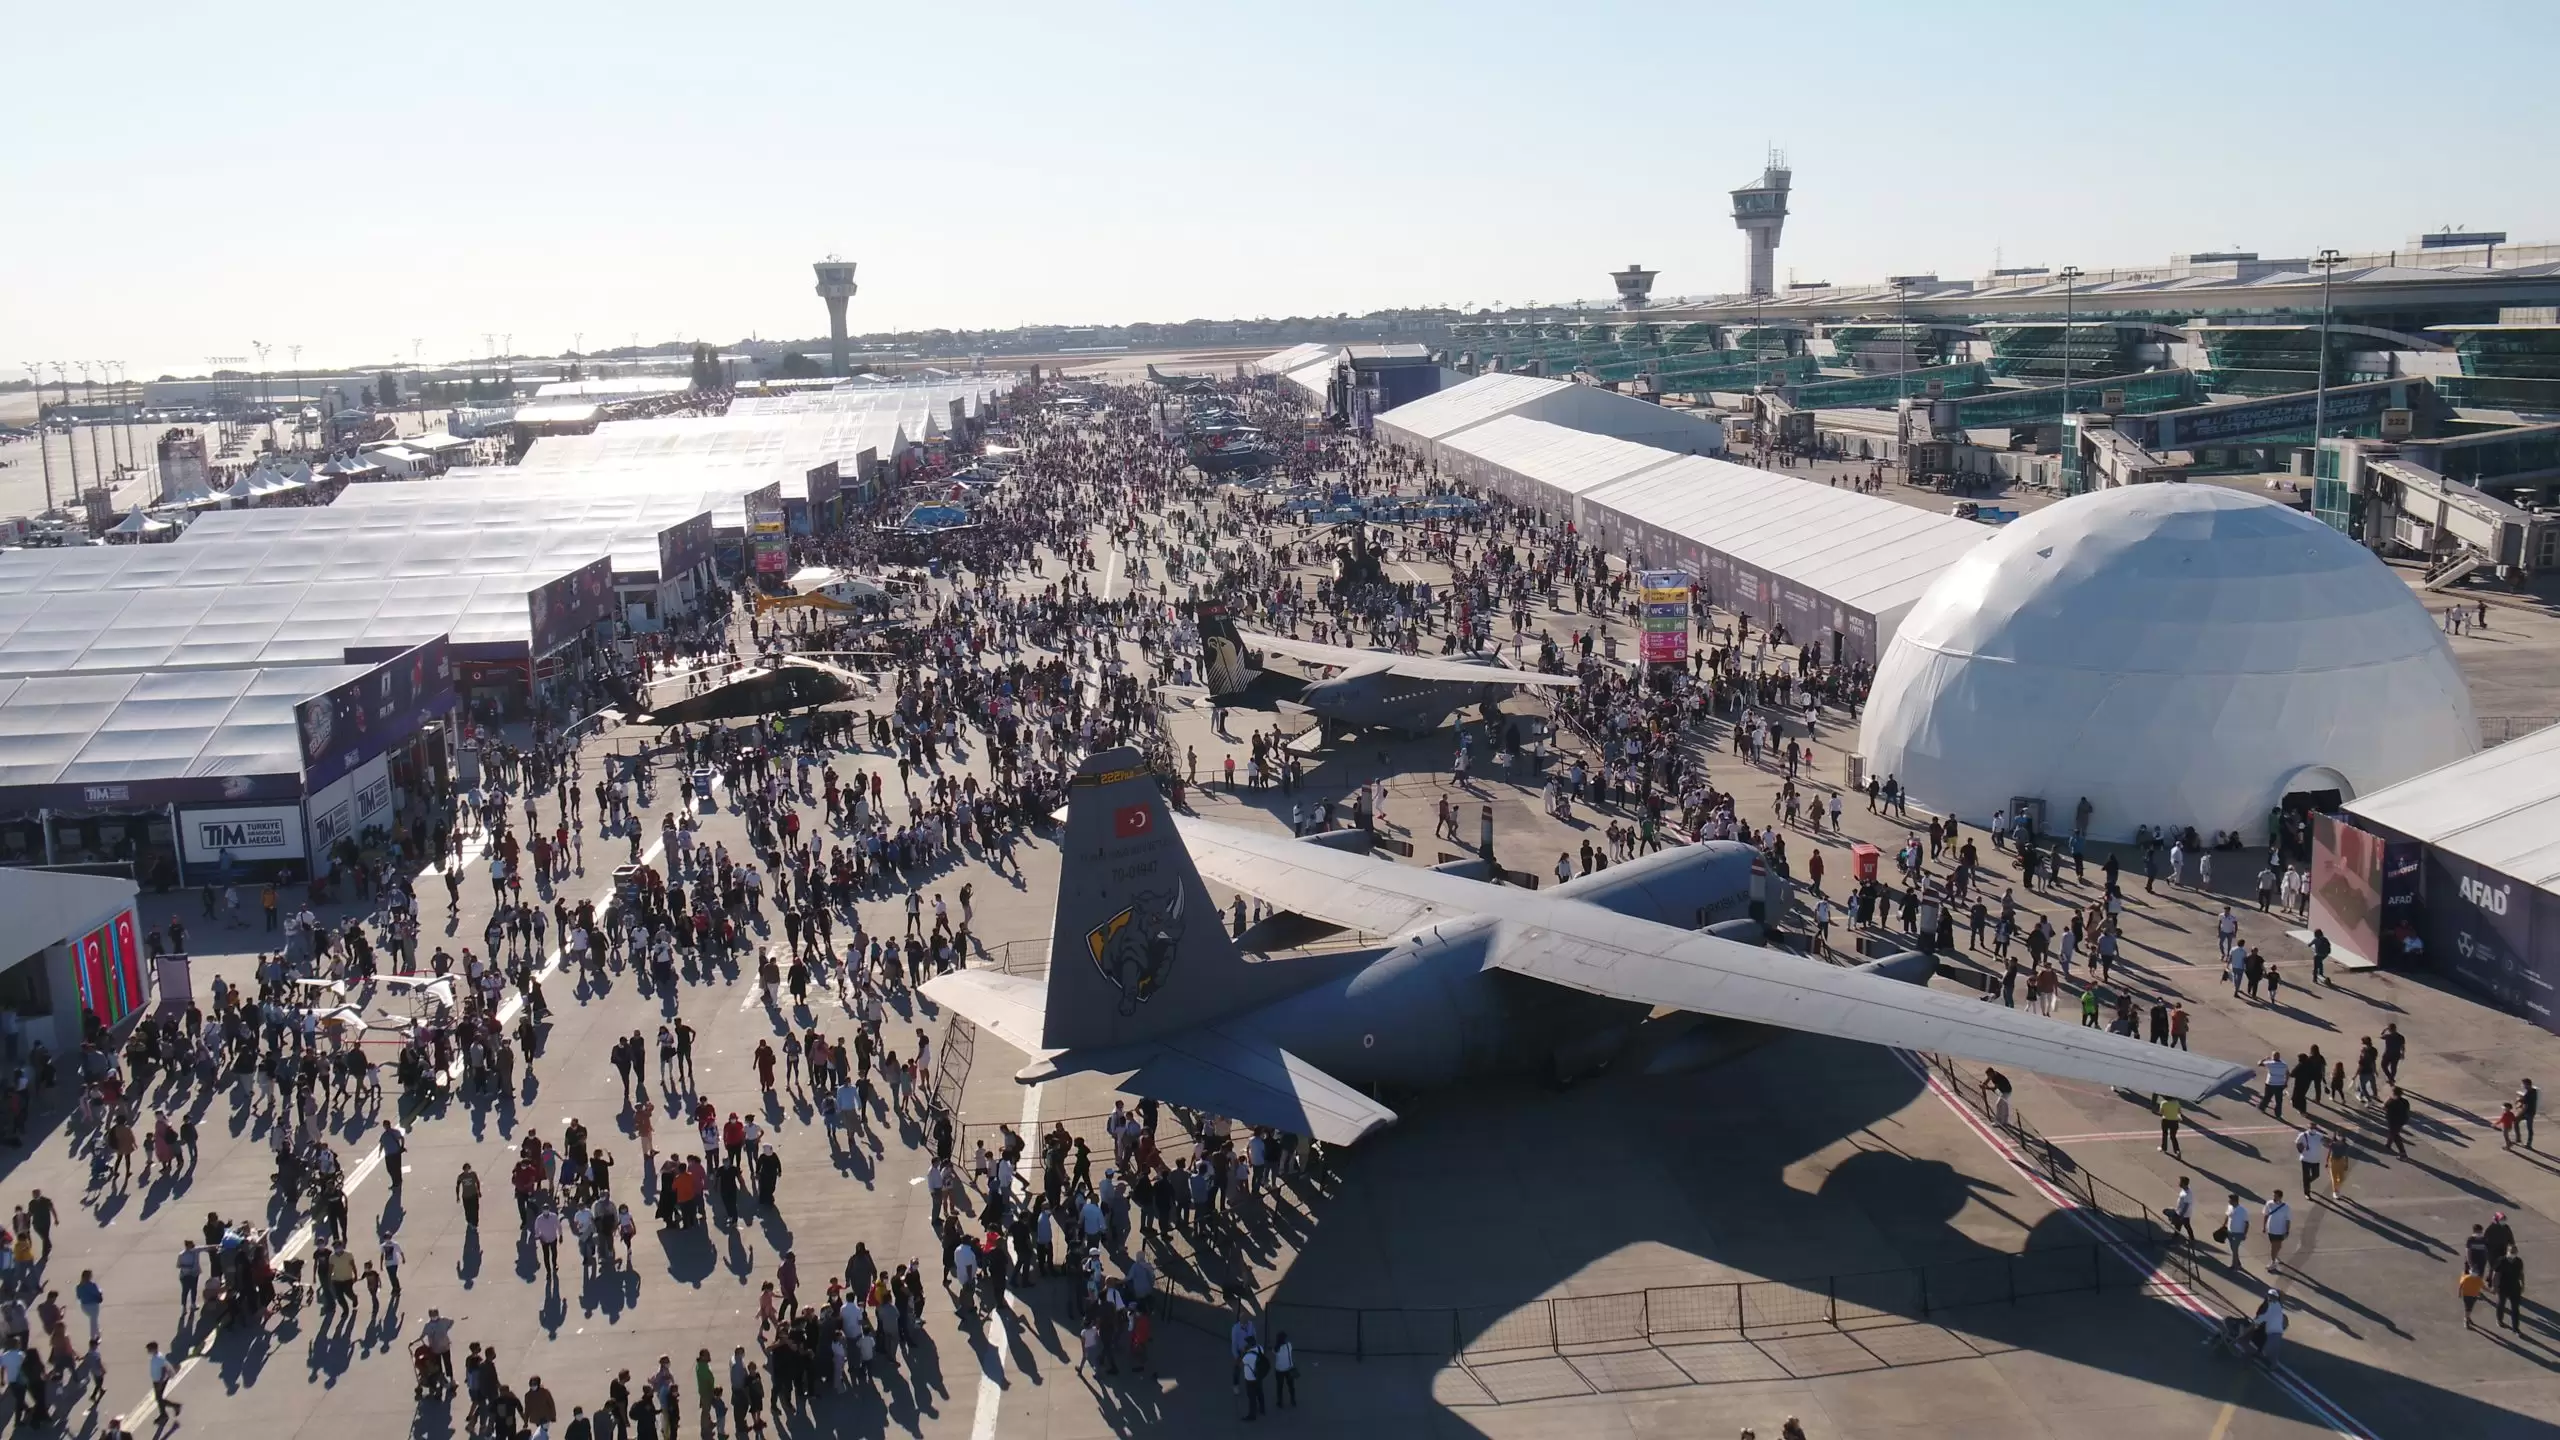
pixel 991 1385
pixel 302 1239
pixel 2322 1410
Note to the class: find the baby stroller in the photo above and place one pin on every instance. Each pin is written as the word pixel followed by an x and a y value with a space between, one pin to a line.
pixel 288 1299
pixel 431 1380
pixel 2240 1337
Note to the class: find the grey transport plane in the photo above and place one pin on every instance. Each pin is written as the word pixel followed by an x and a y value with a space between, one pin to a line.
pixel 1414 694
pixel 1463 978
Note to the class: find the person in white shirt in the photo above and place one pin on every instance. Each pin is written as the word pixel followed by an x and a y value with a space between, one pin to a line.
pixel 2274 1068
pixel 162 1370
pixel 2279 1224
pixel 2269 1323
pixel 1284 1374
pixel 2311 1148
pixel 2235 1227
pixel 2182 1211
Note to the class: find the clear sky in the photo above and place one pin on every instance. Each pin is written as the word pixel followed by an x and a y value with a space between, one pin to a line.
pixel 184 178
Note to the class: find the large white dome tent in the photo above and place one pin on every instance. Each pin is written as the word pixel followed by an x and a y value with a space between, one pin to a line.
pixel 2179 655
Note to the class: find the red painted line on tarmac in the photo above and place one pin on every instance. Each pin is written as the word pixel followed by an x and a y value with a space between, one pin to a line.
pixel 2321 1408
pixel 2154 1134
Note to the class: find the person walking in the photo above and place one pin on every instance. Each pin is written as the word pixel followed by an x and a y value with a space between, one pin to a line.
pixel 162 1370
pixel 2528 1103
pixel 2235 1227
pixel 91 1299
pixel 2509 1273
pixel 2171 1115
pixel 2339 1163
pixel 1284 1372
pixel 1250 1369
pixel 2311 1151
pixel 2395 1120
pixel 2182 1211
pixel 2279 1226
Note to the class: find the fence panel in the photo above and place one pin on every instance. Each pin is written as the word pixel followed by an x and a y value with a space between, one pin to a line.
pixel 1597 1319
pixel 2057 1271
pixel 1316 1329
pixel 1483 1328
pixel 1967 1282
pixel 1689 1309
pixel 1768 1304
pixel 1408 1332
pixel 1878 1294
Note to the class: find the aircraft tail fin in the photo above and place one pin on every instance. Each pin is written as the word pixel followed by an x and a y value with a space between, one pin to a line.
pixel 1137 950
pixel 1221 651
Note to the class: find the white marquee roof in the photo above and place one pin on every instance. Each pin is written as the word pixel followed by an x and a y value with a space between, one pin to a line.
pixel 1556 456
pixel 491 527
pixel 1468 403
pixel 1281 362
pixel 102 729
pixel 250 561
pixel 2499 809
pixel 246 626
pixel 719 492
pixel 1859 550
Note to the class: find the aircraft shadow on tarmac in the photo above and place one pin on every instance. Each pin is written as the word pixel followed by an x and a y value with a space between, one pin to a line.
pixel 1486 1201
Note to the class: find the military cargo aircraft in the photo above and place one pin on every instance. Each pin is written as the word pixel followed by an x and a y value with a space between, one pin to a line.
pixel 1469 979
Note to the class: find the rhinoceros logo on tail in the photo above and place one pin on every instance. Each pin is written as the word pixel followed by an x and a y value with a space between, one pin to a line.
pixel 1134 947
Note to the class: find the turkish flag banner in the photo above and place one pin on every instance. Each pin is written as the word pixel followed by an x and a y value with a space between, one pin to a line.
pixel 1130 821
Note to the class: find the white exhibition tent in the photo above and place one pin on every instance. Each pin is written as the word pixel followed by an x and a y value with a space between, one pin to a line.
pixel 1427 425
pixel 141 525
pixel 476 531
pixel 1836 567
pixel 2498 809
pixel 1313 378
pixel 2178 654
pixel 1543 466
pixel 1281 362
pixel 248 626
pixel 249 559
pixel 118 728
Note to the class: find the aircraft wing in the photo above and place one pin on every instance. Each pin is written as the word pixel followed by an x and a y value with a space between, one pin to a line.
pixel 1584 948
pixel 1010 1006
pixel 1250 1079
pixel 1430 667
pixel 1339 888
pixel 1412 667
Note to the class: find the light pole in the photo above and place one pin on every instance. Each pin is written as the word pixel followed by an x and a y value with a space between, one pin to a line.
pixel 1902 337
pixel 266 394
pixel 2328 261
pixel 44 442
pixel 2070 283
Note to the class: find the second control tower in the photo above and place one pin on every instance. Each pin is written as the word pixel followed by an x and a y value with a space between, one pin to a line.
pixel 836 287
pixel 1760 212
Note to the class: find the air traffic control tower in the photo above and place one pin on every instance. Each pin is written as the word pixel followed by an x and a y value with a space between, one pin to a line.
pixel 1760 212
pixel 836 287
